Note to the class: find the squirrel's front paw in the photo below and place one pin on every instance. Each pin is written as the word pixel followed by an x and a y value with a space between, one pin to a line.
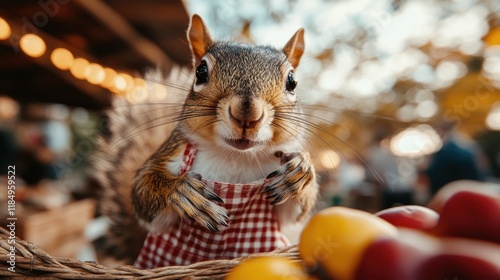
pixel 193 199
pixel 291 179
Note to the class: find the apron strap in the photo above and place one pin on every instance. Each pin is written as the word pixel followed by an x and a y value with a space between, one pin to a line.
pixel 188 158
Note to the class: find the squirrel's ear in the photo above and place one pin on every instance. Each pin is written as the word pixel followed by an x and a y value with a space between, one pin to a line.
pixel 295 47
pixel 199 38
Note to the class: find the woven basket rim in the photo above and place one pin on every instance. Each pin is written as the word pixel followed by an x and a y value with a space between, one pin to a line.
pixel 32 261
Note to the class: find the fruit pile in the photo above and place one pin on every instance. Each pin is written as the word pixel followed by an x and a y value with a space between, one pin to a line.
pixel 457 237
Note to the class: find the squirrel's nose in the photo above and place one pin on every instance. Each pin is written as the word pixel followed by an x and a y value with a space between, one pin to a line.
pixel 244 118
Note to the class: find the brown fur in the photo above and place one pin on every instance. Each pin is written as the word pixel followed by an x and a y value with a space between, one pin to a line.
pixel 135 135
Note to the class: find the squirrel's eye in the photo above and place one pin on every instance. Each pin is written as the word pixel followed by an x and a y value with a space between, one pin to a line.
pixel 202 73
pixel 291 81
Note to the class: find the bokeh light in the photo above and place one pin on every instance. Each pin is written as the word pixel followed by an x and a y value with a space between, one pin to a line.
pixel 493 118
pixel 79 67
pixel 94 73
pixel 9 108
pixel 120 82
pixel 329 159
pixel 5 29
pixel 416 141
pixel 32 45
pixel 62 58
pixel 109 78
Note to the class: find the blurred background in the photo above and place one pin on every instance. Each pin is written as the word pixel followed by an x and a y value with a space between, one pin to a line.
pixel 402 96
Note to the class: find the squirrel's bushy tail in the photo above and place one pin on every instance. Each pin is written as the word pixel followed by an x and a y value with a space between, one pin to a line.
pixel 136 131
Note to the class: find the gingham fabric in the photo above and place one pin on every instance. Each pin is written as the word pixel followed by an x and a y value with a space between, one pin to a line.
pixel 253 228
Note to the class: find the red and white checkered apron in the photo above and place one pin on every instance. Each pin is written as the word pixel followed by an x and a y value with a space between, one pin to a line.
pixel 253 228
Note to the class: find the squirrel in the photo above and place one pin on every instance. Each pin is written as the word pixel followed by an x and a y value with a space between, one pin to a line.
pixel 239 123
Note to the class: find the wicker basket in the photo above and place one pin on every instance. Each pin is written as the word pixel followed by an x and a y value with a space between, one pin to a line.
pixel 31 261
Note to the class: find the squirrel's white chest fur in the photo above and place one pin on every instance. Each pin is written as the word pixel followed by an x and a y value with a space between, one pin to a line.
pixel 233 168
pixel 221 165
pixel 224 166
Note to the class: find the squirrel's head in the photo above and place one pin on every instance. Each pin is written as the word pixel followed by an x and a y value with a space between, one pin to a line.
pixel 243 95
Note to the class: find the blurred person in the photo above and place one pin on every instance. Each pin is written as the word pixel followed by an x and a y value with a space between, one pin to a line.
pixel 489 141
pixel 35 162
pixel 393 177
pixel 459 158
pixel 8 150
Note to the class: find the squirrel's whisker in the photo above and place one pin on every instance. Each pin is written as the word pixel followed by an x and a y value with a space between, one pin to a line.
pixel 309 124
pixel 176 117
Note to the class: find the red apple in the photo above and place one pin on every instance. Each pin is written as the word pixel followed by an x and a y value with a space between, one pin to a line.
pixel 414 255
pixel 455 267
pixel 410 216
pixel 440 198
pixel 470 214
pixel 397 258
pixel 462 259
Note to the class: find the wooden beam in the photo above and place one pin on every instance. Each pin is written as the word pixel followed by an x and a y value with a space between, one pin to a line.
pixel 122 28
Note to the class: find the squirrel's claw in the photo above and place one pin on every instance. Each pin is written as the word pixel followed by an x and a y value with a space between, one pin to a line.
pixel 286 157
pixel 192 199
pixel 206 192
pixel 290 179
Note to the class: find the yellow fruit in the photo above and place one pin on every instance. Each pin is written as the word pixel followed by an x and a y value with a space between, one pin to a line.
pixel 337 237
pixel 267 268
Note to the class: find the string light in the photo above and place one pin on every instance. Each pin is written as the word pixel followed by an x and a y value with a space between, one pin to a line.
pixel 114 90
pixel 78 68
pixel 118 83
pixel 32 45
pixel 139 82
pixel 124 82
pixel 109 78
pixel 5 30
pixel 128 79
pixel 62 58
pixel 140 89
pixel 95 74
